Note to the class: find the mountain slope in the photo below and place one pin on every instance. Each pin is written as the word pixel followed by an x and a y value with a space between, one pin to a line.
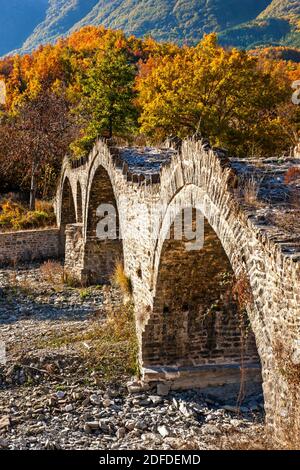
pixel 277 25
pixel 17 20
pixel 279 8
pixel 171 19
pixel 25 24
pixel 60 16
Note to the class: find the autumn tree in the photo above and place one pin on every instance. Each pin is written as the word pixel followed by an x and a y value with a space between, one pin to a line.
pixel 217 93
pixel 36 138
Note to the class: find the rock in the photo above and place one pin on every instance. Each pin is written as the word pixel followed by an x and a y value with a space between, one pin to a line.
pixel 209 417
pixel 86 401
pixel 184 410
pixel 175 403
pixel 103 426
pixel 69 408
pixel 87 428
pixel 140 424
pixel 210 429
pixel 236 422
pixel 91 426
pixel 137 386
pixel 95 399
pixel 163 431
pixel 155 399
pixel 50 445
pixel 60 395
pixel 4 422
pixel 121 433
pixel 163 389
pixel 3 444
pixel 130 425
pixel 107 403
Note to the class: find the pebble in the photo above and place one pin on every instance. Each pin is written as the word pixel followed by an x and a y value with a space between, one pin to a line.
pixel 163 431
pixel 72 407
pixel 95 399
pixel 163 389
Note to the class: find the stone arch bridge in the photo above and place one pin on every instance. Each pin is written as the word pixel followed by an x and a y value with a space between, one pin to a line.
pixel 190 330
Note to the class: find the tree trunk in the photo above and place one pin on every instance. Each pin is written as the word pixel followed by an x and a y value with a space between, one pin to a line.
pixel 32 189
pixel 110 130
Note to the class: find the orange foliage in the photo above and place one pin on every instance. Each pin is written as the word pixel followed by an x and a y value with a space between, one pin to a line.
pixel 292 174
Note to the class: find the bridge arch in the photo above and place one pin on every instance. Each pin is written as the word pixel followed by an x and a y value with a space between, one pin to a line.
pixel 269 257
pixel 79 202
pixel 195 322
pixel 67 211
pixel 101 254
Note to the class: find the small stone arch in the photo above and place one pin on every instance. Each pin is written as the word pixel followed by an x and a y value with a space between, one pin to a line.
pixel 101 254
pixel 79 204
pixel 67 211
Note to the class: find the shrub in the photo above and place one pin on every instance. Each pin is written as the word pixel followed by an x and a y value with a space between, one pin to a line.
pixel 15 216
pixel 52 272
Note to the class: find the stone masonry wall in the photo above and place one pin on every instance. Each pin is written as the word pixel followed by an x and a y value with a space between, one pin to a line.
pixel 29 245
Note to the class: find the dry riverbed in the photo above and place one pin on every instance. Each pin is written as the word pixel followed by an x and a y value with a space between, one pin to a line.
pixel 61 389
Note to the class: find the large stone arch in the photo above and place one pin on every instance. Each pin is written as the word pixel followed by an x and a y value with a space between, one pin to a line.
pixel 195 332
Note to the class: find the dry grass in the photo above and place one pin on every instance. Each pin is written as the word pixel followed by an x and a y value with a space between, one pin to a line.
pixel 285 364
pixel 249 190
pixel 70 280
pixel 233 440
pixel 122 281
pixel 109 347
pixel 52 272
pixel 242 292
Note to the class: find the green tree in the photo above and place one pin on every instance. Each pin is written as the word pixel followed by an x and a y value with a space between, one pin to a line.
pixel 107 106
